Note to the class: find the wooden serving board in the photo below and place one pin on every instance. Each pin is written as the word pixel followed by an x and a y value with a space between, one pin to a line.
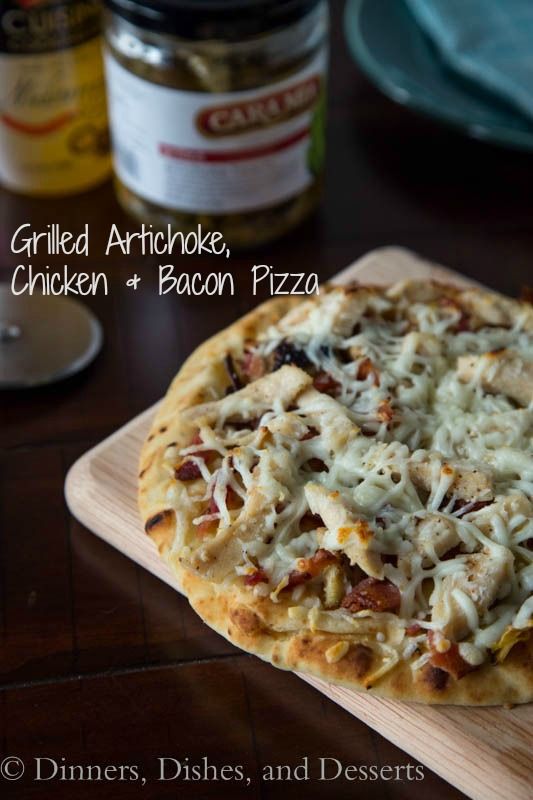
pixel 486 753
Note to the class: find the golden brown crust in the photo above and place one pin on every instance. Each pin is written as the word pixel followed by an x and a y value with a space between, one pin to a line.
pixel 253 623
pixel 244 623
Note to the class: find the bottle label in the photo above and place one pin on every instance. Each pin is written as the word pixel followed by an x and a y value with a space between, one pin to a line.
pixel 217 153
pixel 53 120
pixel 43 26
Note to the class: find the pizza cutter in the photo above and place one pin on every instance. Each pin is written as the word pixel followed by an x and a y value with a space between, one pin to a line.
pixel 44 339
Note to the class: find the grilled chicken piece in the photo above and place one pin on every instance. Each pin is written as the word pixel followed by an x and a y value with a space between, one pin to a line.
pixel 419 291
pixel 501 372
pixel 345 532
pixel 467 482
pixel 515 507
pixel 462 596
pixel 425 344
pixel 338 313
pixel 435 535
pixel 490 309
pixel 280 387
pixel 332 418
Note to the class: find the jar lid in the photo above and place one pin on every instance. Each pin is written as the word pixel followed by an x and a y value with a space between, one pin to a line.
pixel 229 20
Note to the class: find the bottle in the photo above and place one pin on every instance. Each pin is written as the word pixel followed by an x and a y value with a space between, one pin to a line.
pixel 217 111
pixel 53 117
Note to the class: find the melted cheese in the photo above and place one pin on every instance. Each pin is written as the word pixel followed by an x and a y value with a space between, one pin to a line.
pixel 395 464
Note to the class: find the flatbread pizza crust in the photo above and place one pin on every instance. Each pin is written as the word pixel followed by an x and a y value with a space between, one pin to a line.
pixel 365 657
pixel 248 625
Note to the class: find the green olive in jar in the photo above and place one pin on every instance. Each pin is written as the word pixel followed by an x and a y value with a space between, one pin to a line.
pixel 217 112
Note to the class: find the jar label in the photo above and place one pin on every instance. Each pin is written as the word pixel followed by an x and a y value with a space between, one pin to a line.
pixel 224 153
pixel 53 120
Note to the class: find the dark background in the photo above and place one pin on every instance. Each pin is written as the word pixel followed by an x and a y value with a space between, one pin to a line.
pixel 101 663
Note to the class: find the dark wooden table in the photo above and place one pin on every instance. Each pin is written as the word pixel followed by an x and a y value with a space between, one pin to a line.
pixel 100 663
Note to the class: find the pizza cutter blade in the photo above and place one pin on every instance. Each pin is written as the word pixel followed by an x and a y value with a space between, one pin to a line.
pixel 44 339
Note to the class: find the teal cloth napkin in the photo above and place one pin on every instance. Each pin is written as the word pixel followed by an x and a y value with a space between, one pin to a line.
pixel 487 41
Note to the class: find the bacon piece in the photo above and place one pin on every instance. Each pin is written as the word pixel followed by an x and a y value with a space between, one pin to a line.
pixel 296 578
pixel 212 506
pixel 243 424
pixel 317 465
pixel 366 369
pixel 326 383
pixel 233 375
pixel 453 552
pixel 309 568
pixel 259 576
pixel 188 471
pixel 209 525
pixel 384 412
pixel 450 661
pixel 414 629
pixel 312 433
pixel 253 365
pixel 366 431
pixel 373 594
pixel 477 506
pixel 310 522
pixel 287 353
pixel 233 501
pixel 464 323
pixel 204 454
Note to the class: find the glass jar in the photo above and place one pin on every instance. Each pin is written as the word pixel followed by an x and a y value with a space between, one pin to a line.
pixel 217 111
pixel 53 115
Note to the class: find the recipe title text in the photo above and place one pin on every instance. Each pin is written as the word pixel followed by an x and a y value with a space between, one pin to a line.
pixel 172 278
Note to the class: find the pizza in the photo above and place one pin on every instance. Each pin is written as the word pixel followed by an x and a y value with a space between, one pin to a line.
pixel 343 486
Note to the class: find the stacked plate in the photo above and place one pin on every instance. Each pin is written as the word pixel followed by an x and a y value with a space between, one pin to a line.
pixel 400 59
